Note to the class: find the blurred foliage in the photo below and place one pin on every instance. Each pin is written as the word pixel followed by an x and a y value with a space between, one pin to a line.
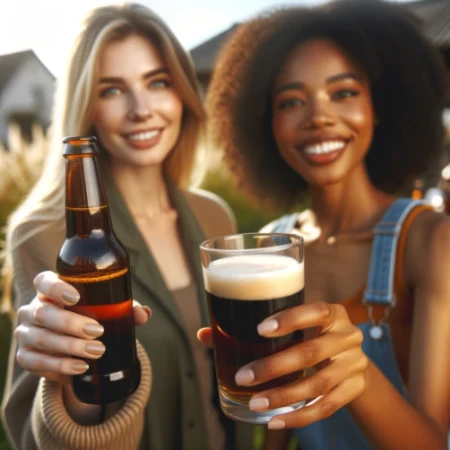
pixel 20 166
pixel 250 216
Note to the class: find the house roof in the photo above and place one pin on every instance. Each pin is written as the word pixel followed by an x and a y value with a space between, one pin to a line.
pixel 435 15
pixel 204 55
pixel 10 63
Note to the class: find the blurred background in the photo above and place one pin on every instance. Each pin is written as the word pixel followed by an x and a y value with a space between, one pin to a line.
pixel 34 41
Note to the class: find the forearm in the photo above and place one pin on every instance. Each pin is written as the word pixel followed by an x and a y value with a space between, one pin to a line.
pixel 389 421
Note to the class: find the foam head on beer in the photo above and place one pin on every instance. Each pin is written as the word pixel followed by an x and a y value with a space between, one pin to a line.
pixel 254 277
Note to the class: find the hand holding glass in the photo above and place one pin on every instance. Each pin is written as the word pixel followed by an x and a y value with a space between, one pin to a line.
pixel 249 277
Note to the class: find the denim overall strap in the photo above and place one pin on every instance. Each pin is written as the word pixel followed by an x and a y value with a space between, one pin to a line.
pixel 380 283
pixel 285 224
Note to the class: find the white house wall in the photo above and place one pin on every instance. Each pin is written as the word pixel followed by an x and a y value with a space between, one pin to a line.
pixel 19 93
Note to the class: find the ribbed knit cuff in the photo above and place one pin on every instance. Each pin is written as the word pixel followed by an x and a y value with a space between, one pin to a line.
pixel 54 428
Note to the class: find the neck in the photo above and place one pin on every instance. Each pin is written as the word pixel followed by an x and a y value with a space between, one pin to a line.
pixel 351 205
pixel 144 189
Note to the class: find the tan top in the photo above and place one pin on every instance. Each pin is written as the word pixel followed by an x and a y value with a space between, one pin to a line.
pixel 186 300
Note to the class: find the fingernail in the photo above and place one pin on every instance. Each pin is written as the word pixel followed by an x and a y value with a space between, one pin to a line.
pixel 148 311
pixel 269 326
pixel 95 348
pixel 93 329
pixel 45 282
pixel 258 403
pixel 71 297
pixel 244 376
pixel 80 367
pixel 276 425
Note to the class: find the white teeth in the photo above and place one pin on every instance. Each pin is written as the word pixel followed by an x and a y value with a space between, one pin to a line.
pixel 324 147
pixel 144 135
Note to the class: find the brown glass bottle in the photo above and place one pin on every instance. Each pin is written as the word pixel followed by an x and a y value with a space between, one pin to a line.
pixel 94 261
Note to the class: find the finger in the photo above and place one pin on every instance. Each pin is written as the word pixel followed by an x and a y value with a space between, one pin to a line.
pixel 47 315
pixel 317 314
pixel 48 284
pixel 38 362
pixel 324 407
pixel 311 387
pixel 47 341
pixel 142 314
pixel 300 356
pixel 204 335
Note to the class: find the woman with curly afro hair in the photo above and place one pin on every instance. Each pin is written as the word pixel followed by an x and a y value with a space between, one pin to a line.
pixel 341 104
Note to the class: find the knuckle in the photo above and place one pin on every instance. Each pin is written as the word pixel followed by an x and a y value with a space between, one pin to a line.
pixel 364 361
pixel 41 340
pixel 280 398
pixel 18 334
pixel 20 358
pixel 311 353
pixel 327 408
pixel 74 347
pixel 22 314
pixel 360 385
pixel 320 384
pixel 266 370
pixel 357 336
pixel 63 366
pixel 339 310
pixel 40 313
pixel 323 309
pixel 40 363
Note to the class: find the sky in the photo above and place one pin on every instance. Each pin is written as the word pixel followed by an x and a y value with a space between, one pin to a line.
pixel 49 26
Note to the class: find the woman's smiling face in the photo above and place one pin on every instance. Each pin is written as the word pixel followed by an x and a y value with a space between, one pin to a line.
pixel 322 112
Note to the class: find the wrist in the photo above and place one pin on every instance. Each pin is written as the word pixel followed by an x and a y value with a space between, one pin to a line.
pixel 82 413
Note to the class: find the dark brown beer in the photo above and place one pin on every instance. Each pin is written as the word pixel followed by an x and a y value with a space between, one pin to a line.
pixel 242 291
pixel 96 264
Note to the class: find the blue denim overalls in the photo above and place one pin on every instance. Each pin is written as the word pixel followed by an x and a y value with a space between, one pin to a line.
pixel 340 432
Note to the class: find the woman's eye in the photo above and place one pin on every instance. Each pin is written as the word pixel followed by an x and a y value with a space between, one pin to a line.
pixel 290 103
pixel 110 92
pixel 345 93
pixel 159 83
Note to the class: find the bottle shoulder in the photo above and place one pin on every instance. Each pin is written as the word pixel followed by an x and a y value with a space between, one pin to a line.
pixel 97 252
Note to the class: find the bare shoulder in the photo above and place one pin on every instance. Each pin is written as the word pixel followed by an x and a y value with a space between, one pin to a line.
pixel 427 252
pixel 213 213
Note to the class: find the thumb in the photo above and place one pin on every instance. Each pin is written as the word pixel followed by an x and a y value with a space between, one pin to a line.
pixel 204 335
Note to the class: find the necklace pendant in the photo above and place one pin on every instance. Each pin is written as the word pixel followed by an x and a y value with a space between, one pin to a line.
pixel 331 240
pixel 376 332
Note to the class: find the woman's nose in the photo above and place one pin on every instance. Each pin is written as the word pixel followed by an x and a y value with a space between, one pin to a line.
pixel 140 108
pixel 319 115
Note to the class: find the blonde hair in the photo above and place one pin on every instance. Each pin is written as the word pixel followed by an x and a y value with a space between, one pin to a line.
pixel 73 104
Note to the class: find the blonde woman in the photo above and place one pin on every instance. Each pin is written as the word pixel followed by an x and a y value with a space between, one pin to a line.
pixel 130 83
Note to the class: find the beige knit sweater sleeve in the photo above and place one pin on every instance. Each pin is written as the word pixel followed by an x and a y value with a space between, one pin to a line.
pixel 53 428
pixel 32 410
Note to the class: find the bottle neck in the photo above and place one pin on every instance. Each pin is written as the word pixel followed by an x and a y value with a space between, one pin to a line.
pixel 86 205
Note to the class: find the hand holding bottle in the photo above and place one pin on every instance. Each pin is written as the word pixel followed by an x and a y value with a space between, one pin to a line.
pixel 52 340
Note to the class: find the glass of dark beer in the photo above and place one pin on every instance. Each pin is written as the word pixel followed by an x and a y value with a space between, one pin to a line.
pixel 248 277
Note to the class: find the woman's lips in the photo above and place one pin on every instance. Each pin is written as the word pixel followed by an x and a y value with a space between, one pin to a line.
pixel 324 152
pixel 143 140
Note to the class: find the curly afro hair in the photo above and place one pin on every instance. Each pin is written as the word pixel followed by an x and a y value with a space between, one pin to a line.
pixel 407 79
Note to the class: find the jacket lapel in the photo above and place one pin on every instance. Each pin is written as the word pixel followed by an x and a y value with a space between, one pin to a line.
pixel 143 267
pixel 192 236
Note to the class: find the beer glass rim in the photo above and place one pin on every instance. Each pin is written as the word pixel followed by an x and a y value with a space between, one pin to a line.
pixel 273 248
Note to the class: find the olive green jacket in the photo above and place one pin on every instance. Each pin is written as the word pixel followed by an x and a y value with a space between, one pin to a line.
pixel 173 417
